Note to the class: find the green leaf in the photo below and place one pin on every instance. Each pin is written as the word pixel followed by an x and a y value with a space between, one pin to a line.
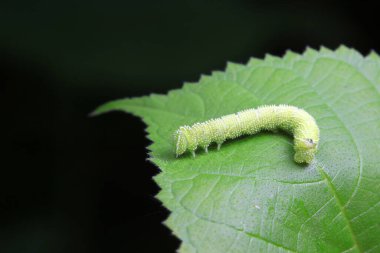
pixel 251 196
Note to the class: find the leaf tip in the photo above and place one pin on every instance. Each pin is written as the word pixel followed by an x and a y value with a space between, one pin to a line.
pixel 98 111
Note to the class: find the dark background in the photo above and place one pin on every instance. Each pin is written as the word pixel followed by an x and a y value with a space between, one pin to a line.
pixel 70 183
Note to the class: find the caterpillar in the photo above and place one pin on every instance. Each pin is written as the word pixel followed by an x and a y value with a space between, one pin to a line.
pixel 291 119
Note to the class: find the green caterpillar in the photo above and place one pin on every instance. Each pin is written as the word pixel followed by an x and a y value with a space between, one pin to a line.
pixel 251 121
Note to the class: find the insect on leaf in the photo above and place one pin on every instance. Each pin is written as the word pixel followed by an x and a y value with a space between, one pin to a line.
pixel 250 196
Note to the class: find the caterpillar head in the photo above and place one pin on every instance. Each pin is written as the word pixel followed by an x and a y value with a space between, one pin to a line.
pixel 305 149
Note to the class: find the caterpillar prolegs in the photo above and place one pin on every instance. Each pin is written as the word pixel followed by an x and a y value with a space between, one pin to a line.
pixel 291 119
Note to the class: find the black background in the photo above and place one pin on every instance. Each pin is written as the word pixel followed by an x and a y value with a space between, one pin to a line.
pixel 70 183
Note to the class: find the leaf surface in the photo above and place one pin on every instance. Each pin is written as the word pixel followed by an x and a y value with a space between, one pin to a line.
pixel 251 196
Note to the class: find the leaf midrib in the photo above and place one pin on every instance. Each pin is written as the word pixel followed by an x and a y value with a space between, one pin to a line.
pixel 325 175
pixel 331 187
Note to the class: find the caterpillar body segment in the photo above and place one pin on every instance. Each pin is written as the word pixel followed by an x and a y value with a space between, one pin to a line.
pixel 291 119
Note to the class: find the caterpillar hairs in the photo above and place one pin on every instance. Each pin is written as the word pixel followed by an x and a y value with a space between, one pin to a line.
pixel 291 119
